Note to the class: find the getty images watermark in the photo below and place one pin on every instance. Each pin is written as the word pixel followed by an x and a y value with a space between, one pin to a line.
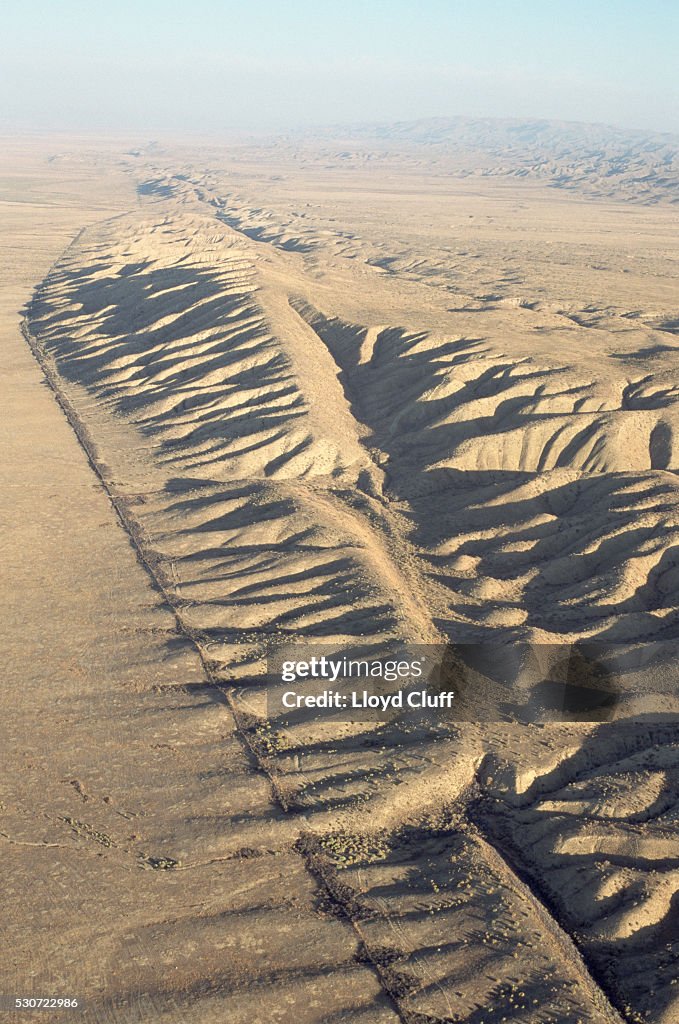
pixel 482 682
pixel 323 669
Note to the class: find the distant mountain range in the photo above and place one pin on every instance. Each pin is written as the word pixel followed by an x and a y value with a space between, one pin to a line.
pixel 593 158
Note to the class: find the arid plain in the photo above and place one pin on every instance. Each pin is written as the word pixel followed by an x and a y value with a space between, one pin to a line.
pixel 410 384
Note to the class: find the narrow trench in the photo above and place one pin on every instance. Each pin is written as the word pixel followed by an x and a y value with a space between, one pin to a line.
pixel 509 864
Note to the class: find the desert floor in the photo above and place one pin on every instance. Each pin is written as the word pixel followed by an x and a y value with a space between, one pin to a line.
pixel 255 395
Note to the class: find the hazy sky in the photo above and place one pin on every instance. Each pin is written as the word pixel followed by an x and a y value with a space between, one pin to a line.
pixel 267 64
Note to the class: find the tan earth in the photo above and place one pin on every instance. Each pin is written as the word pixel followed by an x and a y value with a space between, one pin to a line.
pixel 410 385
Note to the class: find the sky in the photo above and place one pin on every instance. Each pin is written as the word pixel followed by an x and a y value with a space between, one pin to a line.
pixel 269 65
